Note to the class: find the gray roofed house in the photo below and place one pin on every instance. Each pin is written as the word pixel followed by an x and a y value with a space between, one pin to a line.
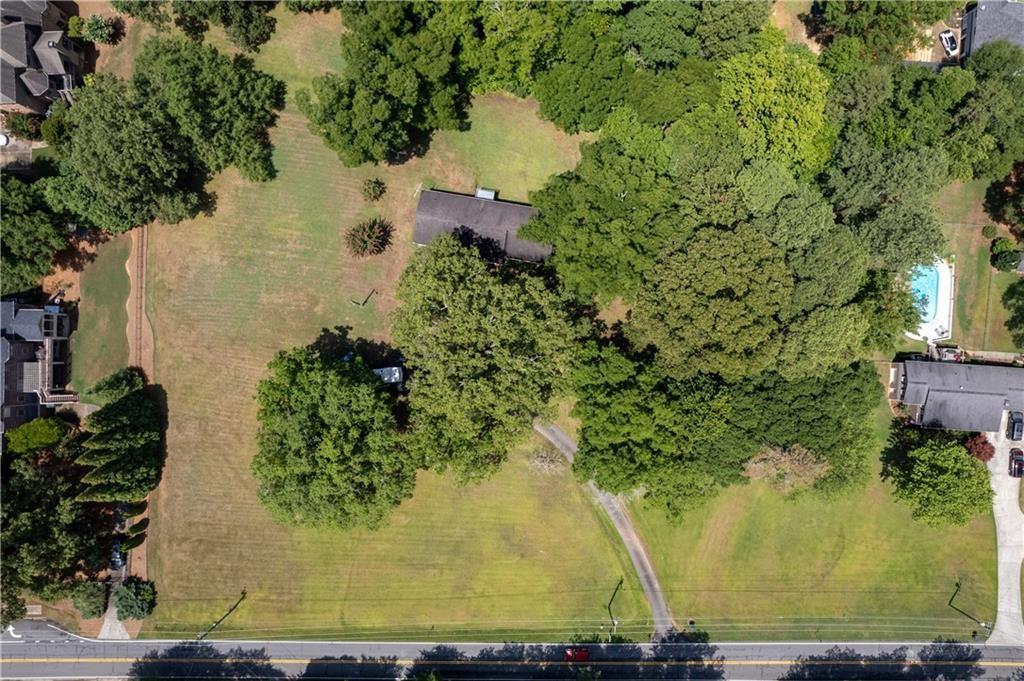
pixel 34 350
pixel 441 212
pixel 992 20
pixel 954 396
pixel 38 62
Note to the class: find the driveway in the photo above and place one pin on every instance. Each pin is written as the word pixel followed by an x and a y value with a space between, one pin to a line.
pixel 617 513
pixel 1009 626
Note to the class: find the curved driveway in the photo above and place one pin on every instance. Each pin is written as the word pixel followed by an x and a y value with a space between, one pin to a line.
pixel 617 513
pixel 1009 626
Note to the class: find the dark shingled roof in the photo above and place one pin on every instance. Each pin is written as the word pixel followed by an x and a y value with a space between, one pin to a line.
pixel 962 396
pixel 992 20
pixel 444 213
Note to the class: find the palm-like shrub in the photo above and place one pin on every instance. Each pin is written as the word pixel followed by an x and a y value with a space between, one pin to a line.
pixel 370 237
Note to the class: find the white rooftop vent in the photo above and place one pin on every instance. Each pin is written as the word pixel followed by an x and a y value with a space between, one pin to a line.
pixel 484 193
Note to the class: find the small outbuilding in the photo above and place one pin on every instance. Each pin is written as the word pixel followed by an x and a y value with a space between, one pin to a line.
pixel 480 217
pixel 991 20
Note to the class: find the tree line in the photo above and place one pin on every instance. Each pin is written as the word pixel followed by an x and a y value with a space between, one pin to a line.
pixel 69 490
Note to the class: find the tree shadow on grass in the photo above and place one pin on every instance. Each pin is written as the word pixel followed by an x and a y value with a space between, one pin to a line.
pixel 940 661
pixel 1013 301
pixel 203 661
pixel 338 343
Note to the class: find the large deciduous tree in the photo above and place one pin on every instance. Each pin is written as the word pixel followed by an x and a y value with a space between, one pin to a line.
pixel 589 77
pixel 778 96
pixel 487 349
pixel 222 104
pixel 126 163
pixel 642 430
pixel 610 216
pixel 403 79
pixel 727 28
pixel 329 454
pixel 32 234
pixel 941 482
pixel 711 304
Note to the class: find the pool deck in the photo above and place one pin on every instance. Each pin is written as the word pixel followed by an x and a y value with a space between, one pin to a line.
pixel 940 328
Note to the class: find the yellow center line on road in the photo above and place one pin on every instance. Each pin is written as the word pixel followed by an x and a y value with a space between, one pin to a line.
pixel 520 663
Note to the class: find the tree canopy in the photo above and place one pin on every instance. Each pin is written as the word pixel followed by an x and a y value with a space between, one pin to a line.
pixel 778 95
pixel 33 233
pixel 329 454
pixel 124 447
pixel 247 24
pixel 941 482
pixel 487 349
pixel 126 163
pixel 222 104
pixel 403 79
pixel 712 304
pixel 610 216
pixel 888 29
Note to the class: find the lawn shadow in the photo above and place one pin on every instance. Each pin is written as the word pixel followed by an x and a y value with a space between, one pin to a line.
pixel 204 661
pixel 1013 301
pixel 946 660
pixel 338 343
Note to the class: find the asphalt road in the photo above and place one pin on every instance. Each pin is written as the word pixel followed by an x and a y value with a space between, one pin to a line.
pixel 45 652
pixel 617 513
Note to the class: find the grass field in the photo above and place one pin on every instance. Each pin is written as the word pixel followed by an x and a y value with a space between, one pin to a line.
pixel 99 345
pixel 522 555
pixel 979 318
pixel 754 565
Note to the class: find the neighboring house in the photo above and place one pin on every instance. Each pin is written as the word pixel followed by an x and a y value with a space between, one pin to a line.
pixel 478 217
pixel 34 349
pixel 991 20
pixel 954 396
pixel 38 62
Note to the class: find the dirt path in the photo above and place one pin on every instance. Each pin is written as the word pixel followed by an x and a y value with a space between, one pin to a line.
pixel 140 354
pixel 140 333
pixel 617 513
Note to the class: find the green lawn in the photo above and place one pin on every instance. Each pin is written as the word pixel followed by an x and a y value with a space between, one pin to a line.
pixel 99 345
pixel 525 554
pixel 754 565
pixel 979 318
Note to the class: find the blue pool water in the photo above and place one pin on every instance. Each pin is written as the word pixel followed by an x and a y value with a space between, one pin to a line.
pixel 924 282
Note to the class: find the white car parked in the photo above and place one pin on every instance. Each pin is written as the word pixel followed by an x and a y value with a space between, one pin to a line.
pixel 949 44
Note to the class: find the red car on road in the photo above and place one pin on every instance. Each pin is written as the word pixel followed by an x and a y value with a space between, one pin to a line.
pixel 577 654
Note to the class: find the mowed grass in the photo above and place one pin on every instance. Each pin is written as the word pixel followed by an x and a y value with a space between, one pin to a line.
pixel 755 565
pixel 522 555
pixel 99 346
pixel 979 318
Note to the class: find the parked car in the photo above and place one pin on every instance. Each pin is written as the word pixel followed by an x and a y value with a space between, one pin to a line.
pixel 116 557
pixel 577 654
pixel 949 44
pixel 1016 463
pixel 1015 426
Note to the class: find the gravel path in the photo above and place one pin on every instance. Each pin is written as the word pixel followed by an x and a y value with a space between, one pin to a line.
pixel 617 513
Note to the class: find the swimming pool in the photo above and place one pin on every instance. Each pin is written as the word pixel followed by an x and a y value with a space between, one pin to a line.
pixel 924 282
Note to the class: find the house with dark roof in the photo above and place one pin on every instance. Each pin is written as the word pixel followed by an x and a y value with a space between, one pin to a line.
pixel 478 218
pixel 955 396
pixel 38 62
pixel 992 20
pixel 34 350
